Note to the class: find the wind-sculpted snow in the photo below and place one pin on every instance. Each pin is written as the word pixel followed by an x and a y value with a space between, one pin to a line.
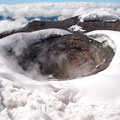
pixel 91 98
pixel 27 38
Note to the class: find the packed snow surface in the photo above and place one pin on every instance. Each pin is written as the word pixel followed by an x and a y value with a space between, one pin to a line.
pixel 91 98
pixel 98 15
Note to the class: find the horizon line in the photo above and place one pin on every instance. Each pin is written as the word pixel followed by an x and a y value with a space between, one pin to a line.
pixel 60 2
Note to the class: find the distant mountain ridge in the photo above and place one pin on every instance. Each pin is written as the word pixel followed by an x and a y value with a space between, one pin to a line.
pixel 53 18
pixel 65 24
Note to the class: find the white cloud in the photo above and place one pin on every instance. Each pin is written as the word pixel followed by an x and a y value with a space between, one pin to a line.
pixel 64 9
pixel 6 25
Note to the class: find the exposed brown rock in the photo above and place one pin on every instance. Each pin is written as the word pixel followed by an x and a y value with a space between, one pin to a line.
pixel 100 25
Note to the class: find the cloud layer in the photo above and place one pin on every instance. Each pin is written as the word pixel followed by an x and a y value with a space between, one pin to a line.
pixel 61 9
pixel 15 16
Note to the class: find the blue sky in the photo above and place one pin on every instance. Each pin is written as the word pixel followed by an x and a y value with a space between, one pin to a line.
pixel 32 1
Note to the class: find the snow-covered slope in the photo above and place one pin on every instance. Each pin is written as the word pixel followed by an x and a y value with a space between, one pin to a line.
pixel 98 15
pixel 91 98
pixel 27 38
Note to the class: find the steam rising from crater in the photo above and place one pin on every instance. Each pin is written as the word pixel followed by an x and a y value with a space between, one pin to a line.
pixel 54 54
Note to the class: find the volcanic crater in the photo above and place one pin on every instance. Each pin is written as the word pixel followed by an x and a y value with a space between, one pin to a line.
pixel 65 57
pixel 68 56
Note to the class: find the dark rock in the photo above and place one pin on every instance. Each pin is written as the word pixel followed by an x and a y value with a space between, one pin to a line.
pixel 100 25
pixel 65 24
